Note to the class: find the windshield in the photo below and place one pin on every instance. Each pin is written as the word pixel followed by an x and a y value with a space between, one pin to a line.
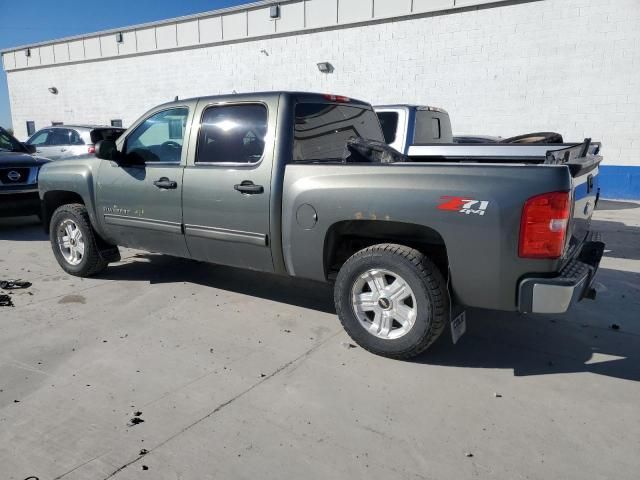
pixel 8 143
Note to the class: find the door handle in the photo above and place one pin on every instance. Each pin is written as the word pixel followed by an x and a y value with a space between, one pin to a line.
pixel 166 184
pixel 247 186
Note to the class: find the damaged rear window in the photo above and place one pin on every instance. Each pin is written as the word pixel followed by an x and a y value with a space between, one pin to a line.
pixel 322 130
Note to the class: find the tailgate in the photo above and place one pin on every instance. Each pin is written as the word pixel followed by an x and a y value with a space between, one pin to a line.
pixel 583 161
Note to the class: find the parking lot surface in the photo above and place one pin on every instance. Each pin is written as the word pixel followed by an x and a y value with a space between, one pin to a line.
pixel 243 375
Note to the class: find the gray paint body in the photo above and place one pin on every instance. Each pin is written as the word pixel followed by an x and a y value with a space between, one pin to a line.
pixel 284 229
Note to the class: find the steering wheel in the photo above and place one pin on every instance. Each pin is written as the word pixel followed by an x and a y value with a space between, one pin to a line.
pixel 171 144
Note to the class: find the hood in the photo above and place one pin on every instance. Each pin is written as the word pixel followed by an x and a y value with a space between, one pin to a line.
pixel 19 159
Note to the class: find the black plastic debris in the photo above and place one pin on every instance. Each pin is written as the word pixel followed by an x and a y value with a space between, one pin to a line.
pixel 361 150
pixel 13 284
pixel 348 345
pixel 615 326
pixel 144 467
pixel 5 301
pixel 144 451
pixel 134 421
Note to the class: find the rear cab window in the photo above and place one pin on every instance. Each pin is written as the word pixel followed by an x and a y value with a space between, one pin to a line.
pixel 322 130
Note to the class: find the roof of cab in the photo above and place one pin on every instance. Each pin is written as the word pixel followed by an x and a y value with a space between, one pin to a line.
pixel 298 96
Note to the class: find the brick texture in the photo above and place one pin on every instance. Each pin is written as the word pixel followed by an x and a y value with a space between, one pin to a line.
pixel 571 66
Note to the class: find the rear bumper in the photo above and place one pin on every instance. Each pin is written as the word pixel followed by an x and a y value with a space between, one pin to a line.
pixel 24 202
pixel 572 284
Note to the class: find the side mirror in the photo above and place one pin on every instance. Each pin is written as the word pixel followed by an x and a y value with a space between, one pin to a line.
pixel 31 149
pixel 107 150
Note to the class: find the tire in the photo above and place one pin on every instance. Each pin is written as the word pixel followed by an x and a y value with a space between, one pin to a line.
pixel 75 217
pixel 388 328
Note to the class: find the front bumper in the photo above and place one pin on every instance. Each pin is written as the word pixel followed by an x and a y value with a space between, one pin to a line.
pixel 572 284
pixel 17 203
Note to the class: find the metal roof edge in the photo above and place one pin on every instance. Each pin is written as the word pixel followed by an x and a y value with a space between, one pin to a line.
pixel 184 18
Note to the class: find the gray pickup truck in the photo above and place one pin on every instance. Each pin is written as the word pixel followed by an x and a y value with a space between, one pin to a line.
pixel 260 181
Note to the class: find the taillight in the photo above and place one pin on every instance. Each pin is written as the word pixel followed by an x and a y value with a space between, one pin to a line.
pixel 543 226
pixel 92 149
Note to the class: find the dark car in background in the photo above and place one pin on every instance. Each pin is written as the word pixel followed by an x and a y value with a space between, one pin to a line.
pixel 19 170
pixel 71 141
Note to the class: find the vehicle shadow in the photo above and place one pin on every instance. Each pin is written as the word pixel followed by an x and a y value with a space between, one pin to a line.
pixel 580 341
pixel 165 269
pixel 601 336
pixel 22 229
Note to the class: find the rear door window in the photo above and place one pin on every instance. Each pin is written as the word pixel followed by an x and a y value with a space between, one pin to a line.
pixel 232 134
pixel 322 130
pixel 389 124
pixel 59 136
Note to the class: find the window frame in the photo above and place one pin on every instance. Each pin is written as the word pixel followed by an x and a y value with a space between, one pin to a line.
pixel 230 164
pixel 185 138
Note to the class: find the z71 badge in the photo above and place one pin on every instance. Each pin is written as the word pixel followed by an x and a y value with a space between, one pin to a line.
pixel 464 205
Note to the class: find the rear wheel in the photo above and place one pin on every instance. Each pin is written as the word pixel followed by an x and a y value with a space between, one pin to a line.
pixel 392 300
pixel 74 242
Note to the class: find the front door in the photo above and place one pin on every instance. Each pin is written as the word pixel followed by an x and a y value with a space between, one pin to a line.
pixel 227 185
pixel 42 141
pixel 140 198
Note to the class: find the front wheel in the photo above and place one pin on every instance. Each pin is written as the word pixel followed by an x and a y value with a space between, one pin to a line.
pixel 392 300
pixel 74 242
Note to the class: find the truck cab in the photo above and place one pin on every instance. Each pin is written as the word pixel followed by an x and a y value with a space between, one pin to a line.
pixel 406 125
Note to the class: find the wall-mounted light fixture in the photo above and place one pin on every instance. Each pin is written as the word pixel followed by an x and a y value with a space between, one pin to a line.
pixel 53 90
pixel 325 67
pixel 119 38
pixel 27 52
pixel 274 11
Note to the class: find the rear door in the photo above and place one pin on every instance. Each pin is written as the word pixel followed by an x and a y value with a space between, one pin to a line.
pixel 227 184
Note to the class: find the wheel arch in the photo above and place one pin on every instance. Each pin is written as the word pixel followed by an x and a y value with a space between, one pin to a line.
pixel 54 199
pixel 345 238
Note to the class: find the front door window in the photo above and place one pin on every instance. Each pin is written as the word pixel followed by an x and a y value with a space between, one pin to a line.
pixel 159 138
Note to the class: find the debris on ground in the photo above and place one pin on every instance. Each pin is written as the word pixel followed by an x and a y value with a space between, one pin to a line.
pixel 286 330
pixel 468 454
pixel 615 326
pixel 13 284
pixel 348 345
pixel 135 420
pixel 144 467
pixel 5 301
pixel 262 375
pixel 144 451
pixel 497 395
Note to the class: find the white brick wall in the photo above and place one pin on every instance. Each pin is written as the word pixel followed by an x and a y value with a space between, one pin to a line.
pixel 571 66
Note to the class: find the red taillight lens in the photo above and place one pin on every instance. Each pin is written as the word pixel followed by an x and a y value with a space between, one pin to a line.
pixel 543 226
pixel 92 149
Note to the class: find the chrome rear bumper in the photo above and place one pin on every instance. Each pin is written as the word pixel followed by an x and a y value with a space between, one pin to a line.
pixel 573 283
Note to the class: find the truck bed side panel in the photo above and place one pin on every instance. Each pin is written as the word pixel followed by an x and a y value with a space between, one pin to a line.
pixel 482 244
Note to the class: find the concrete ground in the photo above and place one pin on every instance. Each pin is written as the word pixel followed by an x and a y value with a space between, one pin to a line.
pixel 243 375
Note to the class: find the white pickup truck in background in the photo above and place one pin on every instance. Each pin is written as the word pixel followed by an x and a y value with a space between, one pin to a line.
pixel 406 125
